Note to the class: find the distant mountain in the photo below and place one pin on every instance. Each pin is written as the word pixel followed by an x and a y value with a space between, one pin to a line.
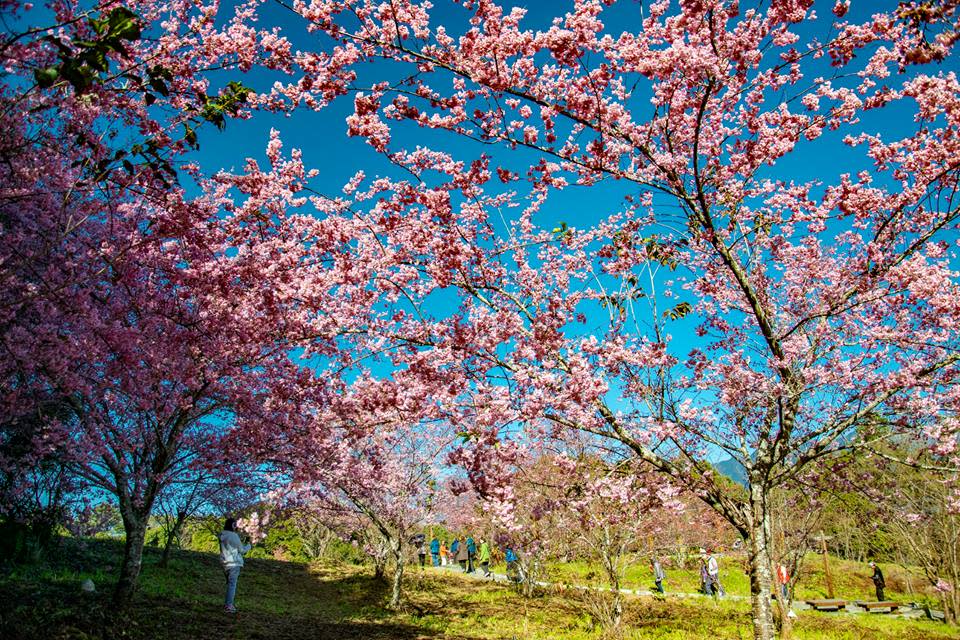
pixel 733 470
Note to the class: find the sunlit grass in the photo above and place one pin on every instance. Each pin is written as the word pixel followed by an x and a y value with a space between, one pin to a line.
pixel 851 580
pixel 295 601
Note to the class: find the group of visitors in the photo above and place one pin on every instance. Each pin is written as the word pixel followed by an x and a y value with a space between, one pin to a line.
pixel 783 579
pixel 463 551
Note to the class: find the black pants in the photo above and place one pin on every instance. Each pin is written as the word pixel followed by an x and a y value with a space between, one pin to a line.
pixel 470 564
pixel 486 568
pixel 423 559
pixel 880 597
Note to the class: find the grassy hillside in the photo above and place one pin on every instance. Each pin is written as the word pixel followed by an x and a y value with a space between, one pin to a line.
pixel 292 601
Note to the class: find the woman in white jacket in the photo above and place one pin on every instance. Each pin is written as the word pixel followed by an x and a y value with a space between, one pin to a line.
pixel 231 556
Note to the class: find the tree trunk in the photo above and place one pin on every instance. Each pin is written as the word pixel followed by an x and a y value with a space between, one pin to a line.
pixel 616 611
pixel 380 562
pixel 761 575
pixel 783 611
pixel 135 528
pixel 949 616
pixel 609 554
pixel 172 535
pixel 397 582
pixel 316 540
pixel 531 572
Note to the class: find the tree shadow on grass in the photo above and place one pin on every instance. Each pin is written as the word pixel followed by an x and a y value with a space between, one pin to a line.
pixel 277 600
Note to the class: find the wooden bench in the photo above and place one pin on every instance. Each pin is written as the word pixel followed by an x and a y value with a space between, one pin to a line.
pixel 885 606
pixel 827 605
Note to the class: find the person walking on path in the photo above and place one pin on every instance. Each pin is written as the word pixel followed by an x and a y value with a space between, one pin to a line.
pixel 484 557
pixel 462 554
pixel 422 552
pixel 713 576
pixel 658 575
pixel 878 581
pixel 471 554
pixel 444 554
pixel 231 557
pixel 435 551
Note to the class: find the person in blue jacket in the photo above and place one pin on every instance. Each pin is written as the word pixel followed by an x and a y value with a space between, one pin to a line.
pixel 514 572
pixel 471 553
pixel 435 551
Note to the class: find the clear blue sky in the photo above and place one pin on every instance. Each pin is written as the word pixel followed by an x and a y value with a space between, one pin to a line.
pixel 322 136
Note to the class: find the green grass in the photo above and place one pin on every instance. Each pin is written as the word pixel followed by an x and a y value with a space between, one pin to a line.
pixel 293 601
pixel 851 580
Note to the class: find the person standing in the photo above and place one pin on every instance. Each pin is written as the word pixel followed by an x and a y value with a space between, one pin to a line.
pixel 422 552
pixel 878 581
pixel 511 559
pixel 783 577
pixel 658 575
pixel 471 554
pixel 704 576
pixel 463 556
pixel 444 554
pixel 435 551
pixel 713 575
pixel 231 557
pixel 484 557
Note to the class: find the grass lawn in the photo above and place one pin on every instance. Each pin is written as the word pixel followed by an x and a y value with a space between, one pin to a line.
pixel 851 580
pixel 287 601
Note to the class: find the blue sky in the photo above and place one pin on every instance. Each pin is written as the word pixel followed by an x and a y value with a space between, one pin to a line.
pixel 322 135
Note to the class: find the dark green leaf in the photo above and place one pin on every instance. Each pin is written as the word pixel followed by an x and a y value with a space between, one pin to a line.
pixel 124 24
pixel 46 77
pixel 159 86
pixel 191 137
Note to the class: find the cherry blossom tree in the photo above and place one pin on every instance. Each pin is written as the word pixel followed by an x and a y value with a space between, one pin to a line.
pixel 218 488
pixel 680 533
pixel 364 463
pixel 613 509
pixel 315 532
pixel 120 304
pixel 528 515
pixel 817 303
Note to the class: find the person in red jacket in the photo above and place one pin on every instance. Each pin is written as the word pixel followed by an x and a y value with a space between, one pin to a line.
pixel 783 578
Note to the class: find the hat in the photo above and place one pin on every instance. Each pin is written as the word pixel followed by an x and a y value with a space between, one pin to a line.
pixel 702 550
